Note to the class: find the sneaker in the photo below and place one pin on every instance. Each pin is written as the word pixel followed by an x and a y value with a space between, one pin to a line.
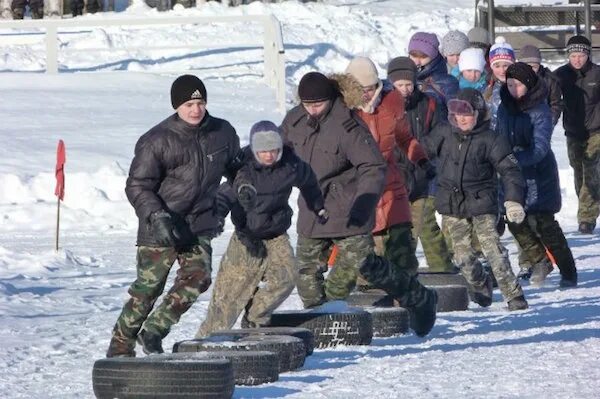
pixel 586 228
pixel 518 303
pixel 151 342
pixel 568 282
pixel 524 273
pixel 483 295
pixel 539 272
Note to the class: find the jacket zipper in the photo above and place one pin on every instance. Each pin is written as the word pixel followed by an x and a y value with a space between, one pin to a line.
pixel 220 150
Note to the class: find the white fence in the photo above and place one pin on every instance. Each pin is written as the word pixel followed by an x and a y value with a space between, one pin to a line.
pixel 274 52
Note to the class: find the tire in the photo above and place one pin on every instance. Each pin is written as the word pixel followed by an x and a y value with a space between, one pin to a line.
pixel 249 367
pixel 330 329
pixel 374 297
pixel 162 376
pixel 433 279
pixel 291 350
pixel 304 334
pixel 389 322
pixel 451 298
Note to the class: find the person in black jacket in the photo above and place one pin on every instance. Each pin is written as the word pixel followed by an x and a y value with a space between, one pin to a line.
pixel 172 185
pixel 525 119
pixel 580 84
pixel 470 156
pixel 258 271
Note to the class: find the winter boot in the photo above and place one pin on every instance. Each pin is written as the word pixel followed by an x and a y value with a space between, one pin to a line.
pixel 482 294
pixel 18 13
pixel 518 303
pixel 586 228
pixel 151 342
pixel 120 347
pixel 524 272
pixel 568 281
pixel 420 302
pixel 539 272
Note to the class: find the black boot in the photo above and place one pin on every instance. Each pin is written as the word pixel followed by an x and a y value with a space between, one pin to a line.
pixel 421 302
pixel 18 13
pixel 151 342
pixel 518 303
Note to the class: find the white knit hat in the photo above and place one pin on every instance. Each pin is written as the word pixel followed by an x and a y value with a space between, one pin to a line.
pixel 364 71
pixel 471 58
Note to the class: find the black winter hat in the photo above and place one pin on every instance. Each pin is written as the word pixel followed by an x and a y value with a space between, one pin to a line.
pixel 186 88
pixel 315 87
pixel 402 68
pixel 579 43
pixel 473 97
pixel 523 73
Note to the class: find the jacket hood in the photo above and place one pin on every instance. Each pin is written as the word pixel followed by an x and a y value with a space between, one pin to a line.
pixel 352 92
pixel 538 94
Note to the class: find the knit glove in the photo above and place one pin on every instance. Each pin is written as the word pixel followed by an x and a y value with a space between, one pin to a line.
pixel 247 196
pixel 514 212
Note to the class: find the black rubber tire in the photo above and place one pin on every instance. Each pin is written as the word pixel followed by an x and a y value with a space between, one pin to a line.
pixel 373 297
pixel 162 376
pixel 432 279
pixel 389 322
pixel 291 350
pixel 304 334
pixel 451 298
pixel 249 367
pixel 330 329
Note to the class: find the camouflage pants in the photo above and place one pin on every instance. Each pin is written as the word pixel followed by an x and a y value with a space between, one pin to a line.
pixel 584 158
pixel 396 244
pixel 246 282
pixel 538 232
pixel 153 266
pixel 484 226
pixel 310 259
pixel 425 228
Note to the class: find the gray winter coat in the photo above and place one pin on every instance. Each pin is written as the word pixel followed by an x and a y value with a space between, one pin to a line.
pixel 177 167
pixel 348 165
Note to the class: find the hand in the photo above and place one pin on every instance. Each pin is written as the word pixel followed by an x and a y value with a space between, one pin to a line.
pixel 357 219
pixel 428 168
pixel 255 246
pixel 247 196
pixel 163 229
pixel 322 216
pixel 514 212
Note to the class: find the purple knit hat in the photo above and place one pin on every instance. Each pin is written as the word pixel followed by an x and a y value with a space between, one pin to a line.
pixel 426 43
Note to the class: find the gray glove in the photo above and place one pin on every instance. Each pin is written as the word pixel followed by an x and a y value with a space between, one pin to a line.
pixel 514 212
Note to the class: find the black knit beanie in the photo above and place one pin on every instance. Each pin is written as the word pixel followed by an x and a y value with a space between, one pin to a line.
pixel 315 87
pixel 186 88
pixel 402 68
pixel 523 73
pixel 579 44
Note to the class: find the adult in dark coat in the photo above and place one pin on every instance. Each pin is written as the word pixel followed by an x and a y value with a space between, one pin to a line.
pixel 579 81
pixel 350 170
pixel 257 272
pixel 470 156
pixel 524 117
pixel 172 184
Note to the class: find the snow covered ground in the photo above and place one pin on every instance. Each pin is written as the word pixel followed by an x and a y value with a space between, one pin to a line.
pixel 57 308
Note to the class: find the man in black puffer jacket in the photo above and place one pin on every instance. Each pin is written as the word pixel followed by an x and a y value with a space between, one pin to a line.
pixel 257 272
pixel 172 185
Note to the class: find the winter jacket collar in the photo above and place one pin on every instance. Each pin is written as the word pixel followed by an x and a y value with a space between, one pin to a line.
pixel 537 95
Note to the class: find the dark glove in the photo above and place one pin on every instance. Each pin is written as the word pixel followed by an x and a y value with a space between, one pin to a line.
pixel 428 168
pixel 357 218
pixel 247 196
pixel 221 211
pixel 322 216
pixel 255 246
pixel 163 229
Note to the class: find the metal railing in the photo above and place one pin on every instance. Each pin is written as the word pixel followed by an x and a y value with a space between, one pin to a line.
pixel 274 51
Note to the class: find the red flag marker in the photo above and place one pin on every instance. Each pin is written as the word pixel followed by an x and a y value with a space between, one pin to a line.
pixel 61 158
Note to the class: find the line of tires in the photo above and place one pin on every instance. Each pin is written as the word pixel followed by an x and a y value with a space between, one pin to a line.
pixel 211 367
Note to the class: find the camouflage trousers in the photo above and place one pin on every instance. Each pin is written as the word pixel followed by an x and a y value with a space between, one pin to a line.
pixel 584 158
pixel 311 258
pixel 538 232
pixel 244 282
pixel 484 226
pixel 425 228
pixel 153 266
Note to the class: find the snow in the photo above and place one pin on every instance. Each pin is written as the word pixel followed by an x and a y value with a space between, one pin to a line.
pixel 57 309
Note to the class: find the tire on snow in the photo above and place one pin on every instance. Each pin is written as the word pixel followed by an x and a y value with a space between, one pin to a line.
pixel 330 329
pixel 163 376
pixel 451 297
pixel 434 279
pixel 373 297
pixel 304 334
pixel 388 322
pixel 290 350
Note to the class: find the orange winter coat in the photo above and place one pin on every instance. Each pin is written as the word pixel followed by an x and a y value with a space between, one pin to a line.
pixel 390 128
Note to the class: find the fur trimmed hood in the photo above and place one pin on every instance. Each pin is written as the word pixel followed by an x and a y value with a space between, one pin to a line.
pixel 352 92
